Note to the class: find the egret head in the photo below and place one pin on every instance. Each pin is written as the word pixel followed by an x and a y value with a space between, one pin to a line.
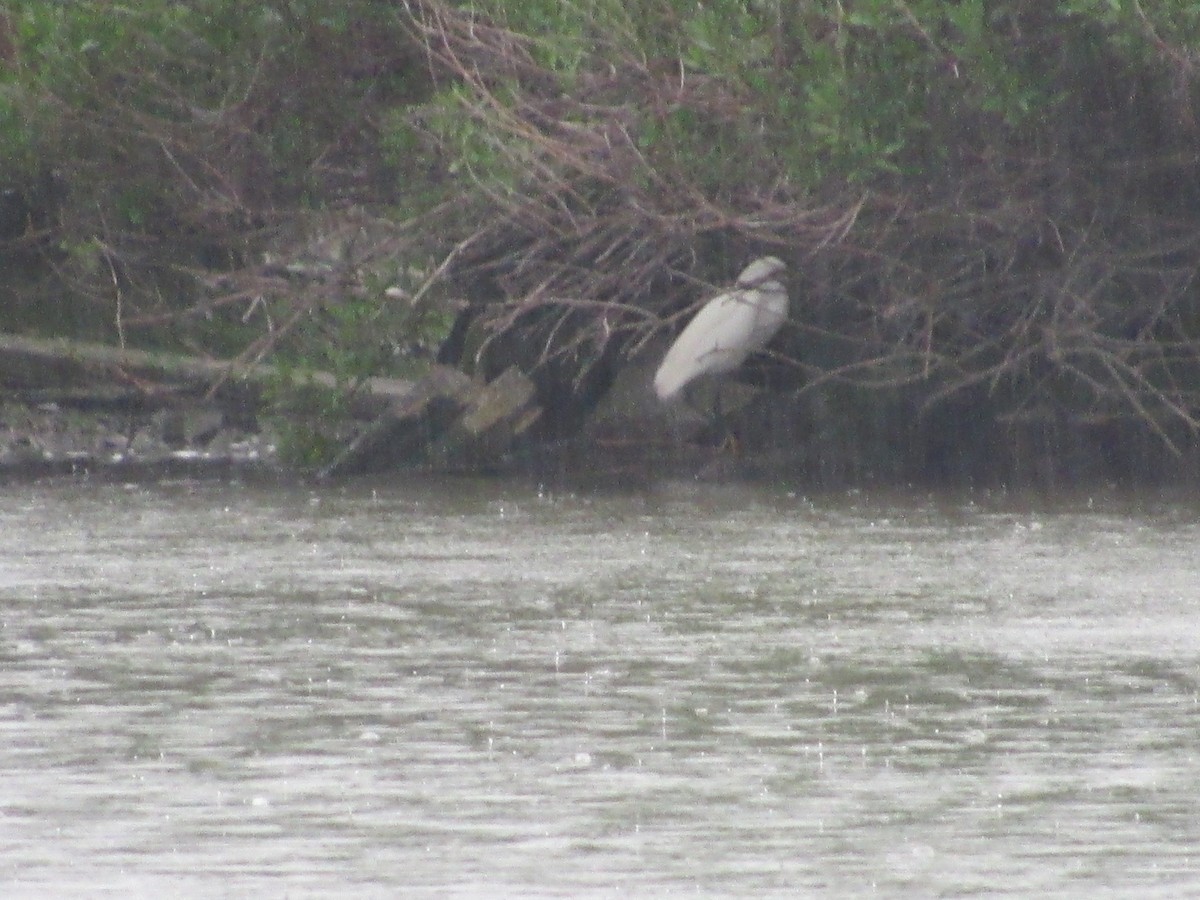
pixel 761 270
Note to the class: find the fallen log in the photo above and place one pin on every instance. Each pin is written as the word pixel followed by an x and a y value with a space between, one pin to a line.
pixel 79 372
pixel 403 431
pixel 448 420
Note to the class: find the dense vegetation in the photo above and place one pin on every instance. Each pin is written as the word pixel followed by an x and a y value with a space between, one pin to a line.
pixel 989 206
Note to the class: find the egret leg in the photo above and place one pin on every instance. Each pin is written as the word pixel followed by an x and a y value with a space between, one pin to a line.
pixel 707 403
pixel 729 442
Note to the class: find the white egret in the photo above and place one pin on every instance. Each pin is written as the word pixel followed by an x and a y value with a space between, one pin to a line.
pixel 729 328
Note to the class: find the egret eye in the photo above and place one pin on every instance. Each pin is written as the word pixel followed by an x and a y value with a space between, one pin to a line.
pixel 727 329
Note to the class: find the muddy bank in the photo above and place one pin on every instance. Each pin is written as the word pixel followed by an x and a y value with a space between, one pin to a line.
pixel 50 437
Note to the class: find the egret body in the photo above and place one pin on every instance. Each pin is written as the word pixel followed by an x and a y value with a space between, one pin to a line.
pixel 727 329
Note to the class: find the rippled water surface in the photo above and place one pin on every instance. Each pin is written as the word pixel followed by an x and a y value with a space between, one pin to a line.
pixel 474 689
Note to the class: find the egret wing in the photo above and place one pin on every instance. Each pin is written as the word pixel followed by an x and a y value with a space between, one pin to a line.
pixel 714 341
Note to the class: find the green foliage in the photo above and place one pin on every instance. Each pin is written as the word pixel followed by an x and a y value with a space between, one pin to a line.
pixel 308 421
pixel 360 336
pixel 823 91
pixel 146 84
pixel 180 135
pixel 369 333
pixel 476 152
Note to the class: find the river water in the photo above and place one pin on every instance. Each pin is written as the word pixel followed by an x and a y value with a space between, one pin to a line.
pixel 483 689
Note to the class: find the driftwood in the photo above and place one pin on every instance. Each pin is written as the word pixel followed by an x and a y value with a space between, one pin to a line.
pixel 447 419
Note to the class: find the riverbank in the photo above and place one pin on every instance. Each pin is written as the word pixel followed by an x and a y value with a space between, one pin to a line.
pixel 77 408
pixel 51 438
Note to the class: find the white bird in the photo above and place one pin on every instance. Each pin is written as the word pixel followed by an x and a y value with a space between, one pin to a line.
pixel 729 328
